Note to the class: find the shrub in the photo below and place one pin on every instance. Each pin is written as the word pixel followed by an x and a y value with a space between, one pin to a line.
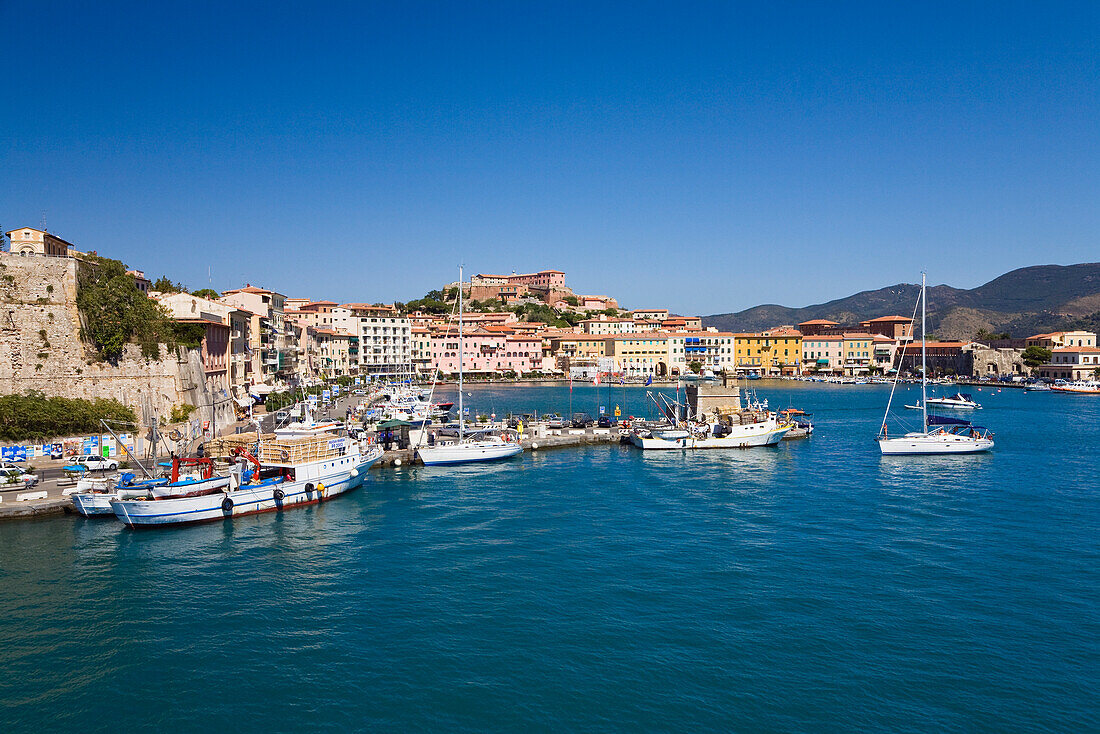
pixel 181 412
pixel 33 416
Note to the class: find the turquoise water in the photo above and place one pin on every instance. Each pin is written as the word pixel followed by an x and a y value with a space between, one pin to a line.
pixel 812 587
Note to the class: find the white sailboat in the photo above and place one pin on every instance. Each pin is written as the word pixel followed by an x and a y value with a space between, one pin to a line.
pixel 954 438
pixel 485 445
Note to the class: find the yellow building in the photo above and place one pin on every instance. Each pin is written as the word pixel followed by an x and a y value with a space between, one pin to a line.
pixel 645 353
pixel 775 352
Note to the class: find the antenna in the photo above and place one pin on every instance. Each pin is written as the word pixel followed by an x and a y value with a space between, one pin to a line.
pixel 43 220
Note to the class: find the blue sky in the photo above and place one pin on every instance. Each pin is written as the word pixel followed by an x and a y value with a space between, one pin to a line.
pixel 707 157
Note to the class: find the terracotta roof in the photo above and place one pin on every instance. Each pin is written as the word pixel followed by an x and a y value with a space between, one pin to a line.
pixel 886 318
pixel 1086 350
pixel 824 337
pixel 818 322
pixel 247 289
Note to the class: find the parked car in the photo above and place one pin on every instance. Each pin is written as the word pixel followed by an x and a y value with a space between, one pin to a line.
pixel 555 421
pixel 582 420
pixel 525 419
pixel 98 463
pixel 605 422
pixel 14 476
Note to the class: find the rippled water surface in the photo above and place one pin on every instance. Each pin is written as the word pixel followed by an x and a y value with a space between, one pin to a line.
pixel 812 587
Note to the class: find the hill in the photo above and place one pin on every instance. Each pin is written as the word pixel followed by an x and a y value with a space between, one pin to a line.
pixel 1021 302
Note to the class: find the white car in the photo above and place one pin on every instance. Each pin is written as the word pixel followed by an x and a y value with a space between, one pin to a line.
pixel 13 475
pixel 98 463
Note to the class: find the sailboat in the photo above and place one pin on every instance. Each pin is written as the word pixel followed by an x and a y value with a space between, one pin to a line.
pixel 956 437
pixel 483 445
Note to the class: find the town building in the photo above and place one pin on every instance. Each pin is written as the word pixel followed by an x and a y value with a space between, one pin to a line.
pixel 1072 363
pixel 31 242
pixel 817 327
pixel 823 353
pixel 384 338
pixel 944 358
pixel 608 326
pixel 1062 339
pixel 275 354
pixel 892 327
pixel 644 353
pixel 234 360
pixel 775 352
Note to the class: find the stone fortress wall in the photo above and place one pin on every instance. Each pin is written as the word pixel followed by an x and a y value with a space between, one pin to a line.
pixel 41 349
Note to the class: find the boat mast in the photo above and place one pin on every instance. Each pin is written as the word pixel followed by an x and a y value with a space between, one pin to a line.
pixel 461 423
pixel 924 351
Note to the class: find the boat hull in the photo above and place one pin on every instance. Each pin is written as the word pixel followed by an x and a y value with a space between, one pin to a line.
pixel 246 500
pixel 466 453
pixel 757 434
pixel 933 445
pixel 91 504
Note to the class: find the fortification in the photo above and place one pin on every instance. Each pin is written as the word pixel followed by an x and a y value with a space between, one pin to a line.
pixel 41 349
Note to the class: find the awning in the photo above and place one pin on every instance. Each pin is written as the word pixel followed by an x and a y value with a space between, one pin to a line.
pixel 394 424
pixel 823 361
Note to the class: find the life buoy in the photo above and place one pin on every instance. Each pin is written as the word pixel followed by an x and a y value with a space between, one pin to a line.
pixel 227 505
pixel 278 494
pixel 284 454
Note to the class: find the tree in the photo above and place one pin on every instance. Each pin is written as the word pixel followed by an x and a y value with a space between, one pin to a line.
pixel 206 293
pixel 571 300
pixel 695 366
pixel 116 313
pixel 1034 356
pixel 164 285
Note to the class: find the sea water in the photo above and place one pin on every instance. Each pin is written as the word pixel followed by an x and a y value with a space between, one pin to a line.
pixel 814 586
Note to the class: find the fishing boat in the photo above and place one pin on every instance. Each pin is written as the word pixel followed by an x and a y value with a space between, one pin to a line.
pixel 959 400
pixel 93 496
pixel 284 472
pixel 802 424
pixel 712 417
pixel 481 445
pixel 933 437
pixel 1037 387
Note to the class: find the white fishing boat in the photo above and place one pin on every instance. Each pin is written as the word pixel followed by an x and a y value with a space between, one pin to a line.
pixel 94 495
pixel 286 472
pixel 712 418
pixel 482 445
pixel 956 438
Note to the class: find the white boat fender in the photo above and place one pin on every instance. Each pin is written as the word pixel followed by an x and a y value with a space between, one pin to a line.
pixel 227 505
pixel 278 494
pixel 397 462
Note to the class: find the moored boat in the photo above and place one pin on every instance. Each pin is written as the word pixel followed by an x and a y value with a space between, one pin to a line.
pixel 1079 387
pixel 286 472
pixel 937 436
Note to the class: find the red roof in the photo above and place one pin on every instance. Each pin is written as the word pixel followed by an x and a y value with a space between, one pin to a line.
pixel 887 318
pixel 818 322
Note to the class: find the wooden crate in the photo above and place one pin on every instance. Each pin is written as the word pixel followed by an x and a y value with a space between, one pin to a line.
pixel 302 450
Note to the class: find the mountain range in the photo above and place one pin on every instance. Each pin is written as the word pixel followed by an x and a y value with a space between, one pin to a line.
pixel 1021 302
